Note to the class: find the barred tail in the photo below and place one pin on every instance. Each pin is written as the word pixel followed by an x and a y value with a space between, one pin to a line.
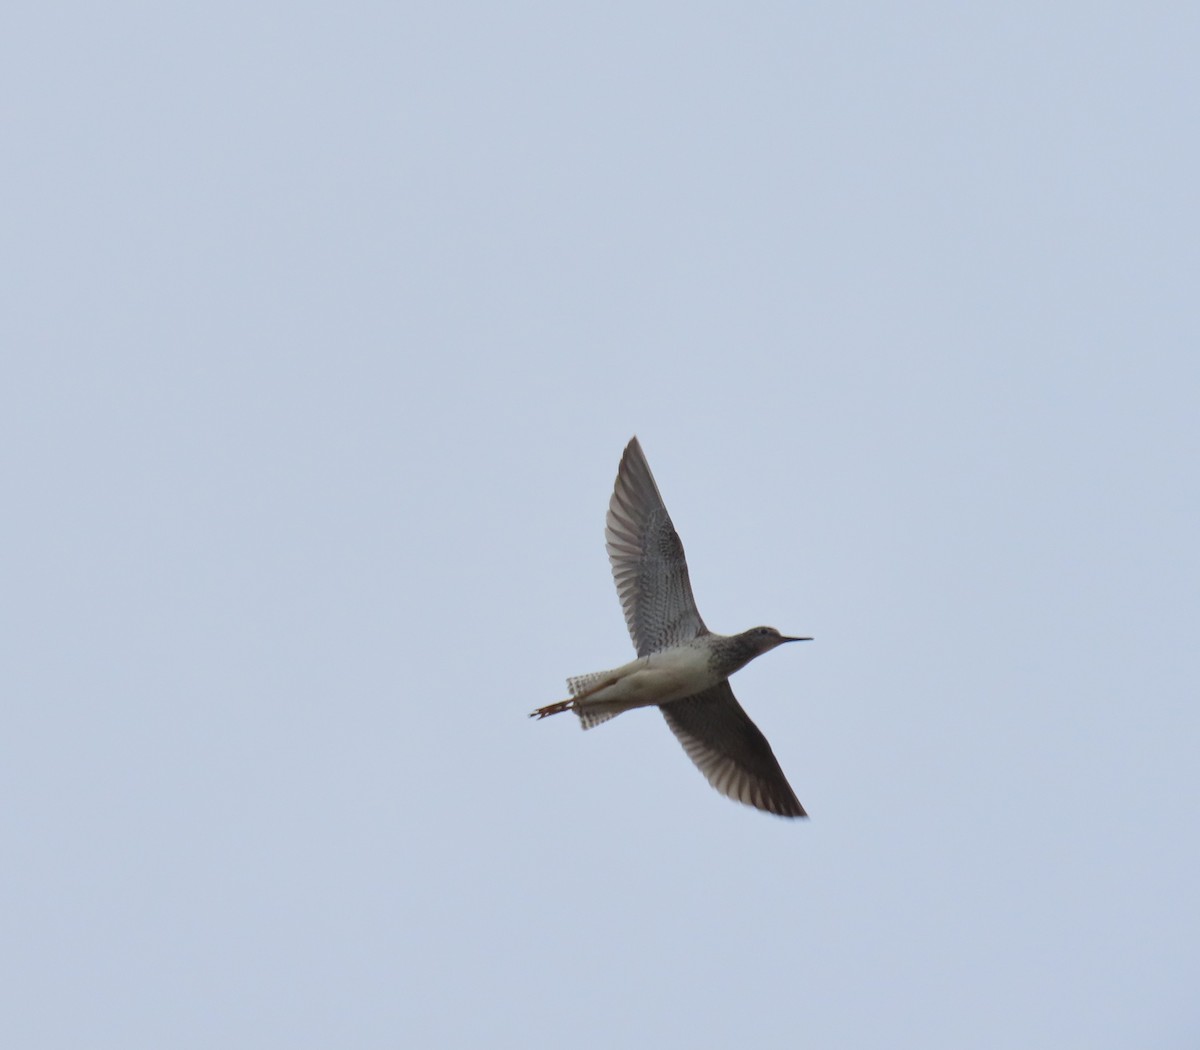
pixel 592 714
pixel 581 686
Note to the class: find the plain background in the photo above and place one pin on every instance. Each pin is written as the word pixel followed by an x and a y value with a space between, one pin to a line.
pixel 324 327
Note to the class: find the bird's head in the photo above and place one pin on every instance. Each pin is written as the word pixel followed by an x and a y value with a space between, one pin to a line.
pixel 764 639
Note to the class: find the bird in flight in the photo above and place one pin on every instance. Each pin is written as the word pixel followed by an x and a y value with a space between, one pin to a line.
pixel 682 667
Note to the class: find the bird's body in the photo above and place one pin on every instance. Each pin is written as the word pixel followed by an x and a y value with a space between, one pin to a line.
pixel 656 678
pixel 682 667
pixel 659 677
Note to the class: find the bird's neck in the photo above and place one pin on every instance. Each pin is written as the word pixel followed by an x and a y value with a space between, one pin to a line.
pixel 732 652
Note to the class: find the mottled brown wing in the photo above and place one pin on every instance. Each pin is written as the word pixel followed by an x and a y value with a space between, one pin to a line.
pixel 647 560
pixel 731 751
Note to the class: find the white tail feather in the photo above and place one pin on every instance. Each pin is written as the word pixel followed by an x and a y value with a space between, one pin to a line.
pixel 592 714
pixel 589 717
pixel 581 683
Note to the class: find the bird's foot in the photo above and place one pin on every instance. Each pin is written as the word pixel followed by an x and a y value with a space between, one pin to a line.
pixel 552 709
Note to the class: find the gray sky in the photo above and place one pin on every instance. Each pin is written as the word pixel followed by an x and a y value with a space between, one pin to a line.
pixel 325 327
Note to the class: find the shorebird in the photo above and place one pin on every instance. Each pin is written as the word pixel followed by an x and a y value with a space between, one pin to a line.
pixel 682 667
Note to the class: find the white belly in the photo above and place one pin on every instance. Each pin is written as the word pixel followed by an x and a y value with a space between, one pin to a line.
pixel 656 679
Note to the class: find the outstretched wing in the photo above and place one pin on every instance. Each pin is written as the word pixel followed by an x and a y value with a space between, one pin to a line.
pixel 647 560
pixel 731 751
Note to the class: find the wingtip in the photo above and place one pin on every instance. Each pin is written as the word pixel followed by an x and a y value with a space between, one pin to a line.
pixel 789 809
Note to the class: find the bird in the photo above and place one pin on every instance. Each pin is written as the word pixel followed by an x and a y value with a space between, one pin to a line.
pixel 682 667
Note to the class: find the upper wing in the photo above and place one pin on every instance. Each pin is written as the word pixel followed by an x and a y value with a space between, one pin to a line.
pixel 730 750
pixel 647 560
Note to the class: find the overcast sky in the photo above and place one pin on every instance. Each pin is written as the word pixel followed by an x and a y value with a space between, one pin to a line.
pixel 324 327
